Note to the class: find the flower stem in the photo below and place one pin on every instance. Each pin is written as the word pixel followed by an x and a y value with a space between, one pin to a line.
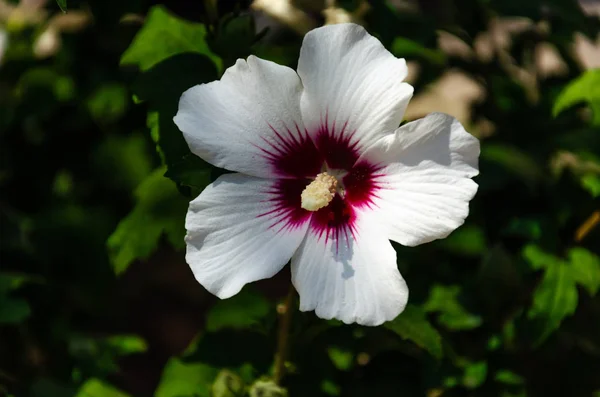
pixel 285 311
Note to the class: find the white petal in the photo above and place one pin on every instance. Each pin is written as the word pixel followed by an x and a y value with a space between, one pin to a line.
pixel 235 236
pixel 350 80
pixel 425 186
pixel 353 278
pixel 233 123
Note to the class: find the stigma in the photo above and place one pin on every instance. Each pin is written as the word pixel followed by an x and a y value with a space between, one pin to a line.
pixel 319 193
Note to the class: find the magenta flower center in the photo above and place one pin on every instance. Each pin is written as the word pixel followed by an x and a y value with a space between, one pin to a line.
pixel 297 159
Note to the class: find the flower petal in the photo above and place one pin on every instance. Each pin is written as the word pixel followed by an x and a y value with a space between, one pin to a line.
pixel 424 184
pixel 237 233
pixel 351 276
pixel 246 120
pixel 351 83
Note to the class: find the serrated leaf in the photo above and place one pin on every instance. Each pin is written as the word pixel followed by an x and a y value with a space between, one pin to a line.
pixel 96 388
pixel 163 36
pixel 185 379
pixel 412 324
pixel 159 210
pixel 585 88
pixel 554 299
pixel 586 269
pixel 444 300
pixel 243 310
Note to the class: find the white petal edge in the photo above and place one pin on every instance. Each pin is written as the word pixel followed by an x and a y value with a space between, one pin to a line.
pixel 231 121
pixel 349 77
pixel 354 279
pixel 426 180
pixel 229 240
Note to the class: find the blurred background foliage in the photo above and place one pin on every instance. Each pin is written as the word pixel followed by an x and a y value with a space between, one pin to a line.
pixel 96 298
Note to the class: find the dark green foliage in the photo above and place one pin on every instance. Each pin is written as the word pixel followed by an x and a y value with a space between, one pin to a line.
pixel 96 298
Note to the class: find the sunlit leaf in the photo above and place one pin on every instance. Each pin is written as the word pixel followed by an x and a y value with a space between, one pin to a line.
pixel 475 374
pixel 342 359
pixel 412 324
pixel 586 269
pixel 185 379
pixel 538 258
pixel 444 300
pixel 159 210
pixel 96 388
pixel 591 183
pixel 126 344
pixel 243 310
pixel 585 88
pixel 163 36
pixel 553 299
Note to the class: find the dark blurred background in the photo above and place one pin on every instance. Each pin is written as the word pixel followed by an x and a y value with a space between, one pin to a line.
pixel 97 300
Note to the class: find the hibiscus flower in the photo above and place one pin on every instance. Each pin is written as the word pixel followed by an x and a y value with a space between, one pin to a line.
pixel 323 176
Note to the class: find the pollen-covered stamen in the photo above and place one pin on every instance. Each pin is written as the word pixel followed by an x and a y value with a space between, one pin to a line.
pixel 319 193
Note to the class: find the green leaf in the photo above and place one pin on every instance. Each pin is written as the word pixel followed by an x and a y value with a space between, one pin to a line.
pixel 62 4
pixel 467 240
pixel 98 388
pixel 13 310
pixel 585 88
pixel 342 359
pixel 161 87
pixel 123 345
pixel 108 103
pixel 508 377
pixel 406 48
pixel 475 374
pixel 538 258
pixel 586 269
pixel 412 324
pixel 159 210
pixel 591 183
pixel 243 310
pixel 185 379
pixel 553 299
pixel 190 171
pixel 163 36
pixel 444 299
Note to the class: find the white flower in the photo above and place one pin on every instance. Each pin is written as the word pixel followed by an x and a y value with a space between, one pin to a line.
pixel 325 138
